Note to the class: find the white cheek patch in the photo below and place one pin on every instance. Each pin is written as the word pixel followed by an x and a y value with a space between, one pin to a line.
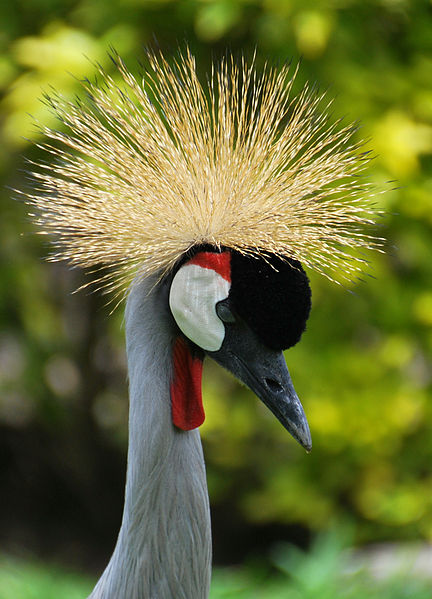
pixel 194 293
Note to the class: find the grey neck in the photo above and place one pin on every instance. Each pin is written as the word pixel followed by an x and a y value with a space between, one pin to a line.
pixel 164 546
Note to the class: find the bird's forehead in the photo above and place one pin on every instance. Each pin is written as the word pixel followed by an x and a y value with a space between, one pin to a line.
pixel 218 262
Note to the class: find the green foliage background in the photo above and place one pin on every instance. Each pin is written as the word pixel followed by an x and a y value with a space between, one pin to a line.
pixel 363 368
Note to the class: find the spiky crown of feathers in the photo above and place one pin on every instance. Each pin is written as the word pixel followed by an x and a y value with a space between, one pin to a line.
pixel 147 169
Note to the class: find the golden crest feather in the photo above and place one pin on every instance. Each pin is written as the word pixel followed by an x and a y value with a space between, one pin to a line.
pixel 145 169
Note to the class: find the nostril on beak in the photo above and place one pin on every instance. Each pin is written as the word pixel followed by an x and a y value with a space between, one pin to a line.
pixel 273 385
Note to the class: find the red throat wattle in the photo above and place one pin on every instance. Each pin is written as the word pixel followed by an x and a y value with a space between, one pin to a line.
pixel 186 398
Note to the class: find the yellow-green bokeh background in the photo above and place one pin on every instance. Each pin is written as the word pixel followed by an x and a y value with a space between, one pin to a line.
pixel 363 369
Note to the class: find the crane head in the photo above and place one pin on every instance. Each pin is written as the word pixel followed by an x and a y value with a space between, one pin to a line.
pixel 150 166
pixel 242 311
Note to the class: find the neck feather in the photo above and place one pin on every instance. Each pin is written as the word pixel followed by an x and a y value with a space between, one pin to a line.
pixel 164 545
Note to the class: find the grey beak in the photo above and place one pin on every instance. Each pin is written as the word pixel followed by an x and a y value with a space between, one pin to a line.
pixel 265 372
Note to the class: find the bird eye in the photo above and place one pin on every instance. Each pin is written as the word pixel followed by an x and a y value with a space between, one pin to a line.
pixel 224 312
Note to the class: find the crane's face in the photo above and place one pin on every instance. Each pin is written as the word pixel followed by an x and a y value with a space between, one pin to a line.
pixel 243 311
pixel 196 290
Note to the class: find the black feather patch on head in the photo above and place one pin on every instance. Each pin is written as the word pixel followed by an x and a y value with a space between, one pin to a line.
pixel 272 295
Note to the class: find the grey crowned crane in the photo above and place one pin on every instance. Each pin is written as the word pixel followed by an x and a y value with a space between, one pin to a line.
pixel 204 202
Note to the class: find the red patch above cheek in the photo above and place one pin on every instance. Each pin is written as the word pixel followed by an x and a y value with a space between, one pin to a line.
pixel 220 263
pixel 186 397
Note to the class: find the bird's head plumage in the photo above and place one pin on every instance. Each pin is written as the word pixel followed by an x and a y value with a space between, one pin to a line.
pixel 228 187
pixel 270 294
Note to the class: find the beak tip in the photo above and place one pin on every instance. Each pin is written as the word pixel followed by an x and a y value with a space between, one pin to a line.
pixel 301 430
pixel 306 442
